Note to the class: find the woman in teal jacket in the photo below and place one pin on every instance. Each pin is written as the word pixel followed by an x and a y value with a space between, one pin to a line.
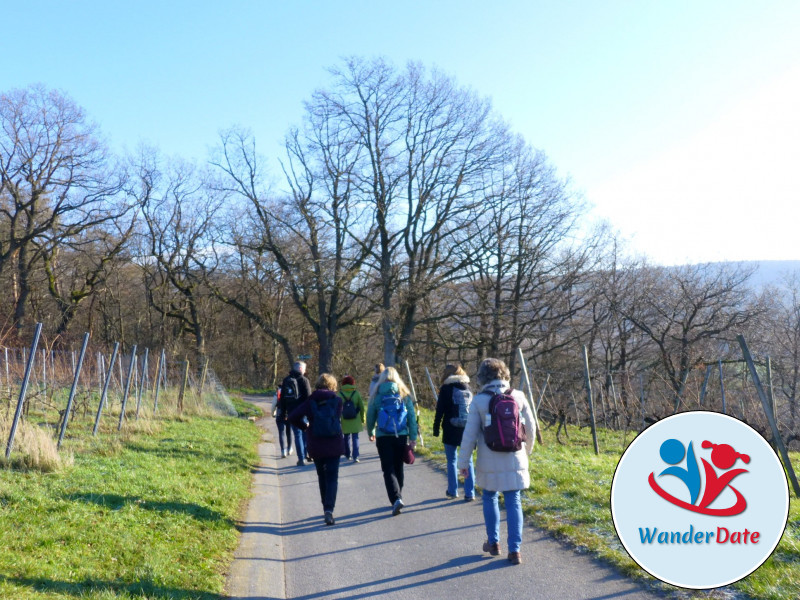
pixel 351 427
pixel 392 424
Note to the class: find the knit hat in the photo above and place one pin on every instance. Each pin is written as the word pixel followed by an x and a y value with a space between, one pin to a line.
pixel 348 380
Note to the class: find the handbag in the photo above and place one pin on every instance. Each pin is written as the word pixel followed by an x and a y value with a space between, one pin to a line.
pixel 408 455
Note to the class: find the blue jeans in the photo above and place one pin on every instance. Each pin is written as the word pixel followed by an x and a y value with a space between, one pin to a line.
pixel 491 516
pixel 328 477
pixel 283 425
pixel 451 452
pixel 299 442
pixel 347 437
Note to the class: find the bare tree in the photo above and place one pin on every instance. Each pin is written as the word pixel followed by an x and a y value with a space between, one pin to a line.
pixel 179 211
pixel 56 182
pixel 682 308
pixel 424 146
pixel 308 230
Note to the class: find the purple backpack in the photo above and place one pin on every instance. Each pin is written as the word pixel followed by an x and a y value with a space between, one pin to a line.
pixel 504 430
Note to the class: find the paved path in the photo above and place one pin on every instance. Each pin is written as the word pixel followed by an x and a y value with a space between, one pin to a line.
pixel 431 550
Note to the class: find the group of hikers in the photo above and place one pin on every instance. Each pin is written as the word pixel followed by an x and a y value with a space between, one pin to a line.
pixel 497 421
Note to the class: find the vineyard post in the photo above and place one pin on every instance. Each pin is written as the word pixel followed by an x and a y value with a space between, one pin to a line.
pixel 23 390
pixel 787 463
pixel 127 388
pixel 142 382
pixel 73 389
pixel 105 388
pixel 588 381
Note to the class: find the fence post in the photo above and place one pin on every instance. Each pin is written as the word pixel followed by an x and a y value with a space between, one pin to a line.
pixel 77 368
pixel 23 390
pixel 772 402
pixel 142 380
pixel 203 377
pixel 541 394
pixel 527 377
pixel 641 396
pixel 127 388
pixel 433 387
pixel 183 385
pixel 705 384
pixel 109 375
pixel 416 404
pixel 770 416
pixel 589 396
pixel 614 398
pixel 159 368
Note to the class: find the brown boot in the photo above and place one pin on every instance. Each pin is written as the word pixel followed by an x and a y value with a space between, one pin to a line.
pixel 514 558
pixel 493 549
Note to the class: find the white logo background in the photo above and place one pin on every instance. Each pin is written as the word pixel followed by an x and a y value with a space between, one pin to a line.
pixel 635 505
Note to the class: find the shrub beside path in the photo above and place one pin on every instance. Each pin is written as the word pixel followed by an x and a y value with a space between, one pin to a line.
pixel 431 550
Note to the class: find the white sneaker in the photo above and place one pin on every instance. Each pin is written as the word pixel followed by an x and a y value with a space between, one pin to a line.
pixel 290 451
pixel 283 453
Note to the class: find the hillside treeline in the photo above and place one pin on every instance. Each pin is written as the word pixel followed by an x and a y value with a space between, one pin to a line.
pixel 405 221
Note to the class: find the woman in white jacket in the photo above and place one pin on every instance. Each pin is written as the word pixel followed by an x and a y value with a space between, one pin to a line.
pixel 497 472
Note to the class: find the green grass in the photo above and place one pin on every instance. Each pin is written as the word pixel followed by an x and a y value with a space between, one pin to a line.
pixel 570 494
pixel 245 409
pixel 151 518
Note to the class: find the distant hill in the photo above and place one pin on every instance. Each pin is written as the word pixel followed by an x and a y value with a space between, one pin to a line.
pixel 771 272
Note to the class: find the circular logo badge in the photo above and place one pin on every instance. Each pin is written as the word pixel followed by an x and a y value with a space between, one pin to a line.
pixel 699 500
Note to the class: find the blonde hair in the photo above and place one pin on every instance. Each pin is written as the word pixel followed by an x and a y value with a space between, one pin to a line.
pixel 391 374
pixel 326 381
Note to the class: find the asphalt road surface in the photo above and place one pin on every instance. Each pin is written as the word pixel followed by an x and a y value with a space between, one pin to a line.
pixel 431 550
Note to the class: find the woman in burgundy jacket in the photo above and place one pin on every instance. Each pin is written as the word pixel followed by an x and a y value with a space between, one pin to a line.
pixel 321 416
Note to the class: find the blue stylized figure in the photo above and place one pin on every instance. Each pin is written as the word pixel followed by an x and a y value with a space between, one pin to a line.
pixel 672 452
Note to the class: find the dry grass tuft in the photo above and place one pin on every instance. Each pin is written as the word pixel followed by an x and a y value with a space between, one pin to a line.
pixel 34 448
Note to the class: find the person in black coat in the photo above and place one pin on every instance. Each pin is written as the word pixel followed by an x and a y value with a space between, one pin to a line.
pixel 295 390
pixel 452 406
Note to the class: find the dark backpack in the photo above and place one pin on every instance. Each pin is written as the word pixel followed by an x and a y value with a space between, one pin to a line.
pixel 393 415
pixel 290 394
pixel 325 420
pixel 504 430
pixel 461 401
pixel 349 410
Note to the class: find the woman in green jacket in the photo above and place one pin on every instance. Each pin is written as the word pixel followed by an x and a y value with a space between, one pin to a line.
pixel 391 409
pixel 354 415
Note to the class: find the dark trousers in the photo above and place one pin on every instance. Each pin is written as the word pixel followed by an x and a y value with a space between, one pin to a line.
pixel 390 451
pixel 284 427
pixel 328 477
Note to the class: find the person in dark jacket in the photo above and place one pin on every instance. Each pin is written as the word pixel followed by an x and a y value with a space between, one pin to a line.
pixel 325 439
pixel 280 414
pixel 451 408
pixel 295 389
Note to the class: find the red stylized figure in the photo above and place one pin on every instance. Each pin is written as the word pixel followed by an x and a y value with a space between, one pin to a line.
pixel 724 457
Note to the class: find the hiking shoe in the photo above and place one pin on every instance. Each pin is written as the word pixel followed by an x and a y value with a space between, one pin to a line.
pixel 493 549
pixel 301 463
pixel 329 520
pixel 514 558
pixel 397 507
pixel 449 495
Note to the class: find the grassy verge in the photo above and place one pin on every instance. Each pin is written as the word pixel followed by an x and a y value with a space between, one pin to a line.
pixel 569 496
pixel 149 517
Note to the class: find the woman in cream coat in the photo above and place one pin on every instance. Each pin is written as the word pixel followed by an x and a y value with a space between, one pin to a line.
pixel 497 472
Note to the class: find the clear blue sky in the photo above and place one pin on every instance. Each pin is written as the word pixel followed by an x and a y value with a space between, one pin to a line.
pixel 678 120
